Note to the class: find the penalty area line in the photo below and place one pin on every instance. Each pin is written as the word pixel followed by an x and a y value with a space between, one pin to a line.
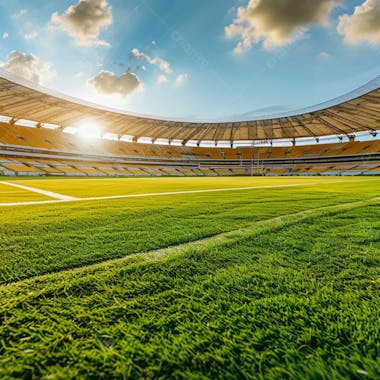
pixel 39 191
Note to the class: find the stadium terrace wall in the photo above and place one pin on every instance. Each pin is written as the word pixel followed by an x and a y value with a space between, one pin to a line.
pixel 350 158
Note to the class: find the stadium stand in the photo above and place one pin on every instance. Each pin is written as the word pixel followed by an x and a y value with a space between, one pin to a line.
pixel 24 153
pixel 43 147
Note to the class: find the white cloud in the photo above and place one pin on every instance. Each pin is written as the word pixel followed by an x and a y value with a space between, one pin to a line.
pixel 164 66
pixel 5 35
pixel 84 21
pixel 276 22
pixel 162 79
pixel 181 79
pixel 324 56
pixel 159 62
pixel 28 66
pixel 108 83
pixel 31 36
pixel 363 25
pixel 135 53
pixel 21 13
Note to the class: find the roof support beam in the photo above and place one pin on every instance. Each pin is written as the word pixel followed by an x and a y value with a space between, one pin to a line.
pixel 331 126
pixel 345 121
pixel 193 134
pixel 303 125
pixel 353 112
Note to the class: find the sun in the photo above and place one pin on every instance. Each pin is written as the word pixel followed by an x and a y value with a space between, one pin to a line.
pixel 89 130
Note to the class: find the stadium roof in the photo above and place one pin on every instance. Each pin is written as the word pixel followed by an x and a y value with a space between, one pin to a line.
pixel 357 111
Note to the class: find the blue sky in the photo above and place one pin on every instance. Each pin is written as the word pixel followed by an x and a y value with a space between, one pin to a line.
pixel 205 76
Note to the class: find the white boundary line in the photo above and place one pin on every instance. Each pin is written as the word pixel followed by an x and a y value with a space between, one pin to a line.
pixel 44 192
pixel 64 198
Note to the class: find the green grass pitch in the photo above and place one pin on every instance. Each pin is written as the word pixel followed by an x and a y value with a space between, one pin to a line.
pixel 267 283
pixel 11 194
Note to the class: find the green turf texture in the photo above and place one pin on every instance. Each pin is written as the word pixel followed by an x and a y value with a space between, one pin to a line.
pixel 298 299
pixel 95 187
pixel 285 287
pixel 10 194
pixel 45 238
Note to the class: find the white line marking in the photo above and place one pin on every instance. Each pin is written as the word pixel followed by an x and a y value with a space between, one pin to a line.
pixel 72 199
pixel 35 190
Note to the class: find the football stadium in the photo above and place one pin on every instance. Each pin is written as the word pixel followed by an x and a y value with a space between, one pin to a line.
pixel 189 247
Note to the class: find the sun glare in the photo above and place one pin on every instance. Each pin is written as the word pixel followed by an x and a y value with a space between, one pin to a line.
pixel 89 130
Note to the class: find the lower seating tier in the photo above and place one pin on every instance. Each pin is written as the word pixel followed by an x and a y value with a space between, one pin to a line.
pixel 14 165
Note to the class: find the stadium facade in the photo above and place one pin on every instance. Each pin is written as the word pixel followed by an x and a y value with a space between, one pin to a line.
pixel 35 121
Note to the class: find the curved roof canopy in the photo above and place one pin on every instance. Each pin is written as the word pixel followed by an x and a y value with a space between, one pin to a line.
pixel 357 111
